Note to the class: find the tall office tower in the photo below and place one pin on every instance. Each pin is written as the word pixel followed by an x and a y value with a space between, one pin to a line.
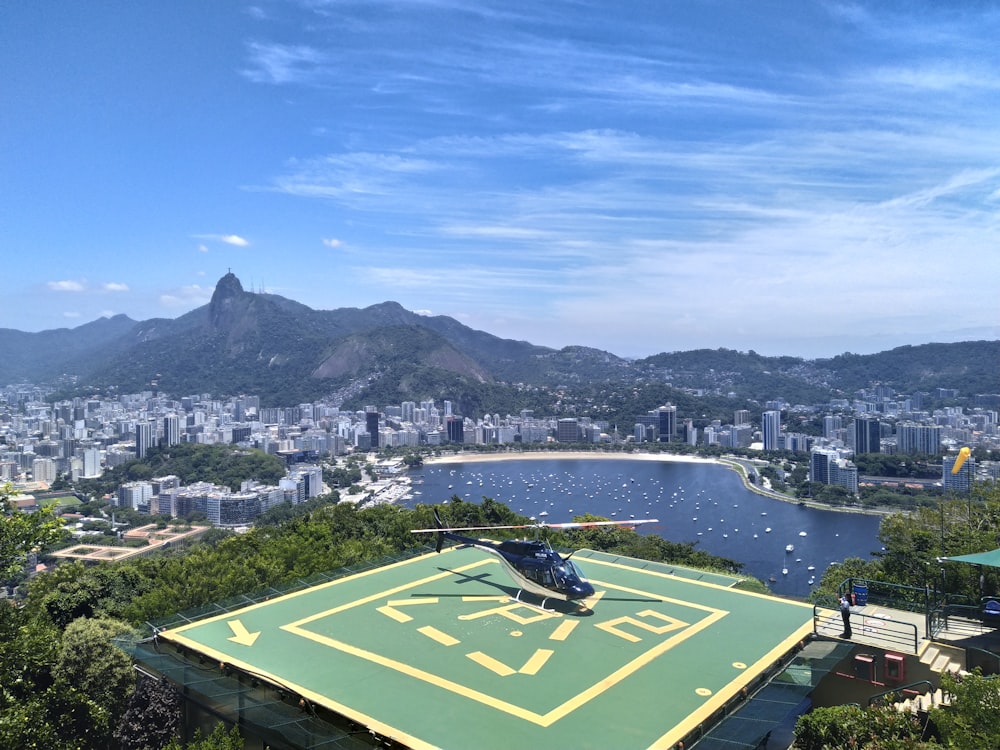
pixel 455 429
pixel 666 422
pixel 962 481
pixel 831 424
pixel 770 424
pixel 741 416
pixel 867 436
pixel 145 437
pixel 568 430
pixel 819 465
pixel 371 424
pixel 171 429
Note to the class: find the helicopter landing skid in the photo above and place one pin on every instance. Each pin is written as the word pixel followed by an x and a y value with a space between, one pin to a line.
pixel 541 607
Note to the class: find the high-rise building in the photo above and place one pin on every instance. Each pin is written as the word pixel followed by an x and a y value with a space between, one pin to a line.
pixel 568 430
pixel 455 429
pixel 145 436
pixel 171 429
pixel 771 430
pixel 867 436
pixel 819 465
pixel 918 438
pixel 371 424
pixel 666 423
pixel 741 417
pixel 962 481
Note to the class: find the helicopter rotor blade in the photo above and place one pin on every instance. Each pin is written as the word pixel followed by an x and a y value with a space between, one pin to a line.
pixel 543 525
pixel 590 524
pixel 472 528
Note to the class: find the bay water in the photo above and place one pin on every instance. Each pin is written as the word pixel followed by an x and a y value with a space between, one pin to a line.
pixel 703 503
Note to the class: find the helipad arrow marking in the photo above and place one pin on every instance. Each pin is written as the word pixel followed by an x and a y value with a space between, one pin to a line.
pixel 240 633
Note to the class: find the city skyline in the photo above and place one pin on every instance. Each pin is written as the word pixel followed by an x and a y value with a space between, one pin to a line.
pixel 796 179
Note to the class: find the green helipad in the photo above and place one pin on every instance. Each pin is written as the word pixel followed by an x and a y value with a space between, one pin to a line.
pixel 433 653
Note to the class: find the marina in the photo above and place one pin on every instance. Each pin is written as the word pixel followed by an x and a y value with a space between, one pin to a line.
pixel 702 503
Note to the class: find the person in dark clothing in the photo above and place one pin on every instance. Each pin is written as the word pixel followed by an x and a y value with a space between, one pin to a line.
pixel 845 612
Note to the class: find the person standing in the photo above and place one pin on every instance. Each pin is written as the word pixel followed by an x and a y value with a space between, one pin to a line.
pixel 845 613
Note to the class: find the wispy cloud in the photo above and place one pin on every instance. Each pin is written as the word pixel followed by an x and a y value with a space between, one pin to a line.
pixel 332 242
pixel 228 239
pixel 67 285
pixel 113 286
pixel 283 63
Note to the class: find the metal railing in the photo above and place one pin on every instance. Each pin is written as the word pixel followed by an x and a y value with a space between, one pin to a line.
pixel 901 692
pixel 895 595
pixel 900 635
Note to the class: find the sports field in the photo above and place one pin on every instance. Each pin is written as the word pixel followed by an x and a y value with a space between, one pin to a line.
pixel 433 653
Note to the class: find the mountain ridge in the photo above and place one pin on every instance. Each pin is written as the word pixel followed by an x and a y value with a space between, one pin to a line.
pixel 248 342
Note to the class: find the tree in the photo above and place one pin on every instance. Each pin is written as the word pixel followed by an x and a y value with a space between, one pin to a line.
pixel 219 739
pixel 152 718
pixel 841 727
pixel 973 718
pixel 90 663
pixel 21 533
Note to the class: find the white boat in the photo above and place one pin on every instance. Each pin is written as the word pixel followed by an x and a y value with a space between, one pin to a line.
pixel 784 571
pixel 802 533
pixel 767 530
pixel 789 548
pixel 543 513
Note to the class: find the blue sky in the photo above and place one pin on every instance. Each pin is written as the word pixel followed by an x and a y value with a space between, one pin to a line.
pixel 802 178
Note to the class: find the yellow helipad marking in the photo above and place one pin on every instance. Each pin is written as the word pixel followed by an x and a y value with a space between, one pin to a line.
pixel 703 691
pixel 739 665
pixel 510 612
pixel 485 598
pixel 437 635
pixel 241 635
pixel 537 661
pixel 712 615
pixel 562 632
pixel 611 626
pixel 390 607
pixel 485 660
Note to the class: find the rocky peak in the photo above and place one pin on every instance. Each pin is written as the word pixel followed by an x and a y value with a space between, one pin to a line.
pixel 227 291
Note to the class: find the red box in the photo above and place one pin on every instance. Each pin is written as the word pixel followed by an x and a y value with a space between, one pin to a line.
pixel 895 667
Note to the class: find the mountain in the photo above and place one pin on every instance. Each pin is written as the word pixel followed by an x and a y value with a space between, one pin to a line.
pixel 286 352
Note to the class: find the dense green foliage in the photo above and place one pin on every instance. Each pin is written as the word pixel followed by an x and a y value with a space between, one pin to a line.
pixel 226 465
pixel 21 533
pixel 970 722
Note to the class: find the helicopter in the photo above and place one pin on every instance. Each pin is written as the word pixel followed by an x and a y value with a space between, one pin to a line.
pixel 535 567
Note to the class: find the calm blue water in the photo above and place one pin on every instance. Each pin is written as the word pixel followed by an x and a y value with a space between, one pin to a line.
pixel 702 503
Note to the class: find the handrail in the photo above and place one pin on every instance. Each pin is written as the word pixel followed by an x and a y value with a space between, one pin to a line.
pixel 899 689
pixel 899 634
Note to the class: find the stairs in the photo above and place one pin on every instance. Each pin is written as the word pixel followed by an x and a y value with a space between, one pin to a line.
pixel 921 704
pixel 940 658
pixel 943 658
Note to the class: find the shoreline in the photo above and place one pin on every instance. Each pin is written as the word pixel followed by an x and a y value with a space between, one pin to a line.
pixel 568 455
pixel 732 465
